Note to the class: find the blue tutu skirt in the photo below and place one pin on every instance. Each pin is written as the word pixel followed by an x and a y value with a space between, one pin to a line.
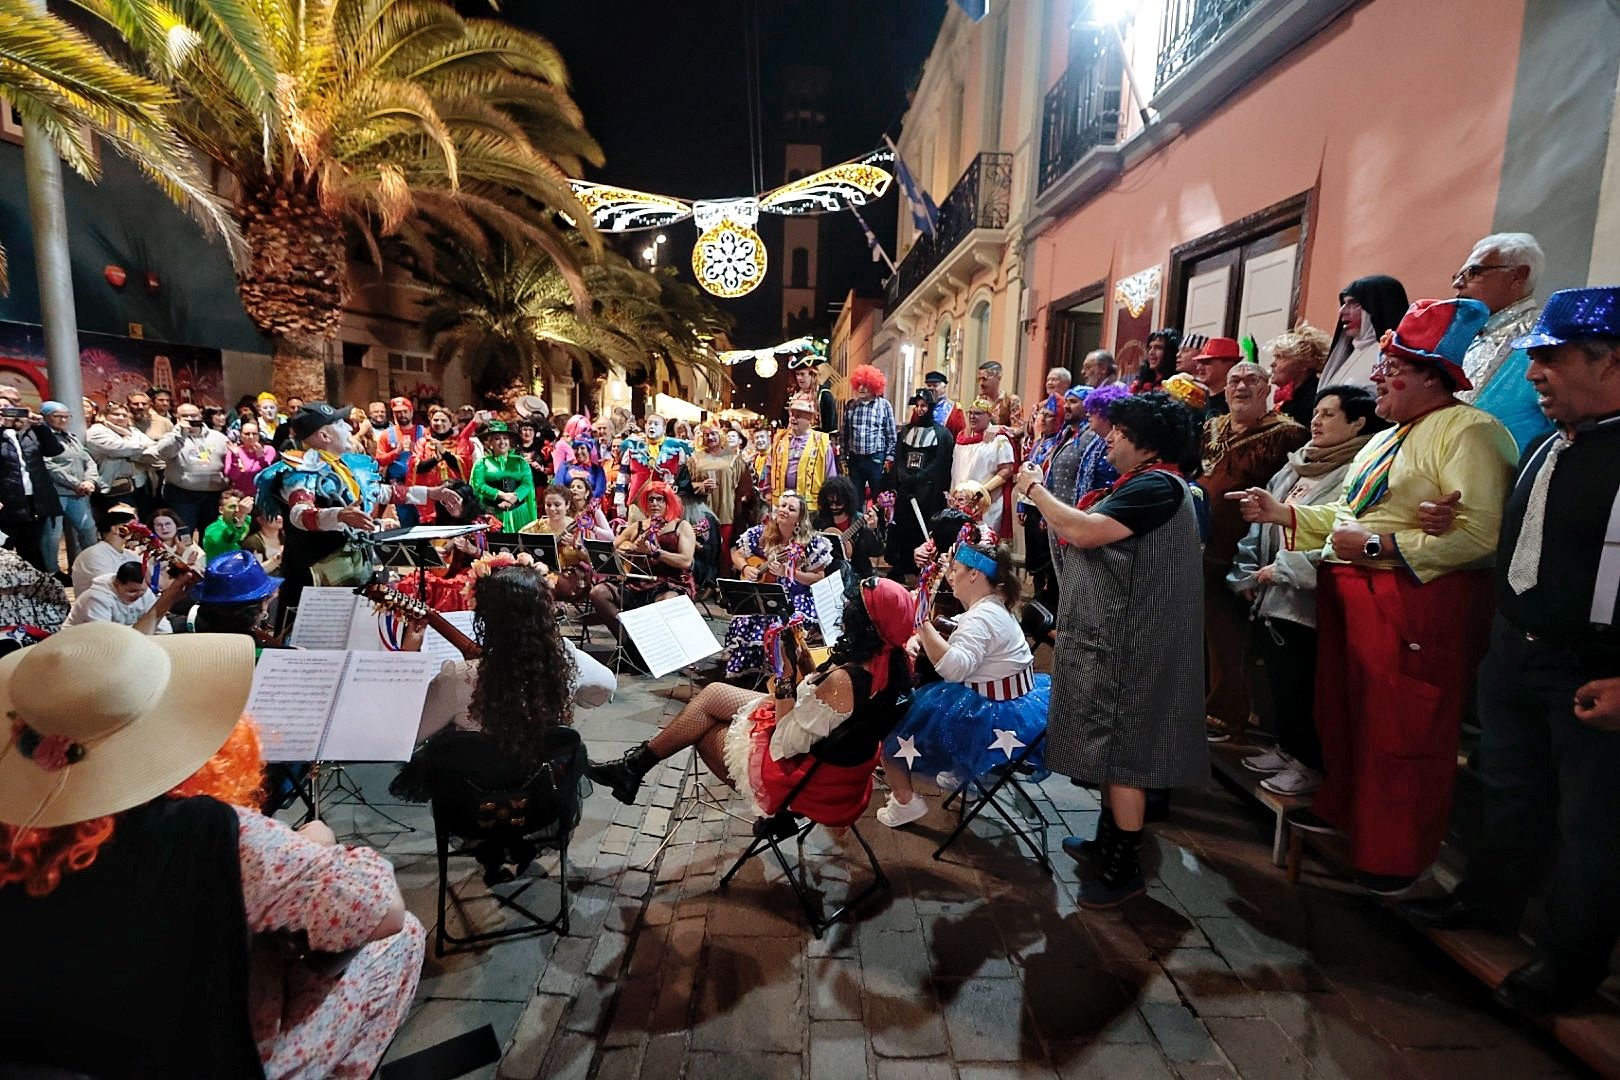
pixel 958 730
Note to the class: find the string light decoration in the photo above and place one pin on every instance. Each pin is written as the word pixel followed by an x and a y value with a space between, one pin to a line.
pixel 729 258
pixel 768 357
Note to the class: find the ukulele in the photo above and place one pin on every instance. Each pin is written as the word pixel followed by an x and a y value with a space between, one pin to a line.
pixel 147 540
pixel 416 610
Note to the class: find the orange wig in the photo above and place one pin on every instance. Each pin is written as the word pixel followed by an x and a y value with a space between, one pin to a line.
pixel 37 858
pixel 867 377
pixel 672 501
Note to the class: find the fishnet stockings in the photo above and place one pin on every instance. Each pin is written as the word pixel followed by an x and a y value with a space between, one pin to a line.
pixel 702 724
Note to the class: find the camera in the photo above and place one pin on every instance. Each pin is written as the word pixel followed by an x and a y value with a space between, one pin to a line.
pixel 13 413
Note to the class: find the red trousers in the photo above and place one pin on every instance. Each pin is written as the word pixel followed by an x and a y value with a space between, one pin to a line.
pixel 1395 660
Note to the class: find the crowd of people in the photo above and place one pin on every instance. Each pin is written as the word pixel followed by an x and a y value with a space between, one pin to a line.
pixel 1380 516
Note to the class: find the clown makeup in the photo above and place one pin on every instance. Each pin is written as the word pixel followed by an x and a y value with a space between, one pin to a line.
pixel 733 440
pixel 762 440
pixel 655 427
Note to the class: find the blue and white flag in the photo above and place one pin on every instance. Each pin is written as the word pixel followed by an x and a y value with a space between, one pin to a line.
pixel 872 241
pixel 924 214
pixel 975 9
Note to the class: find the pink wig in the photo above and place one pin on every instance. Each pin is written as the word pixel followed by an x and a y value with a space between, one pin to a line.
pixel 867 377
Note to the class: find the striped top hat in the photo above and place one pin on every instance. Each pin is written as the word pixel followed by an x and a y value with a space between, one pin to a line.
pixel 1438 333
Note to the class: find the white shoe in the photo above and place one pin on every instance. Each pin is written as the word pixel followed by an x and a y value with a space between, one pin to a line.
pixel 1295 781
pixel 1272 761
pixel 895 813
pixel 948 781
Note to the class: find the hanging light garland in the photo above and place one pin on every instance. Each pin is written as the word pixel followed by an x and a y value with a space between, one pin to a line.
pixel 767 360
pixel 729 257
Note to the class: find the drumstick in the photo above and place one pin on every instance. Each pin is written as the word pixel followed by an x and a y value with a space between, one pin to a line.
pixel 915 509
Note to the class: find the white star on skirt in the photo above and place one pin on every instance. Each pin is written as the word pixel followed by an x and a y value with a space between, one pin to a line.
pixel 908 751
pixel 1006 742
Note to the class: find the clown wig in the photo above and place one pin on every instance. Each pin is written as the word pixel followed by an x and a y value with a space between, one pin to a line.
pixel 867 377
pixel 672 501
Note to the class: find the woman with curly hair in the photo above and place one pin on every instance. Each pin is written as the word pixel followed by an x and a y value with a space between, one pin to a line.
pixel 1128 674
pixel 528 676
pixel 142 872
pixel 1297 357
pixel 760 744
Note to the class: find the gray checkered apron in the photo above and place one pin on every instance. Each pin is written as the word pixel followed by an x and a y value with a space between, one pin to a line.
pixel 1128 677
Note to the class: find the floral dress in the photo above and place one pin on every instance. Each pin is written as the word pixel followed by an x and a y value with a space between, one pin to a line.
pixel 745 637
pixel 315 1020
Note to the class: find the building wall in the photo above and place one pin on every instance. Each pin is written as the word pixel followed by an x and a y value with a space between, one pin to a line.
pixel 1394 116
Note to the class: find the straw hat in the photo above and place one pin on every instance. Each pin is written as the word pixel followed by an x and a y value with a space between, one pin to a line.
pixel 101 718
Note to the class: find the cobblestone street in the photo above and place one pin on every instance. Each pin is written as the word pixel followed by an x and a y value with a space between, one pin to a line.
pixel 979 966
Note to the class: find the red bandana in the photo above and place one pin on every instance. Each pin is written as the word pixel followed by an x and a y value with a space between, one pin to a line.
pixel 1092 498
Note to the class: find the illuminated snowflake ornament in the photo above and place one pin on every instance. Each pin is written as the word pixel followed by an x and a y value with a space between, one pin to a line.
pixel 729 258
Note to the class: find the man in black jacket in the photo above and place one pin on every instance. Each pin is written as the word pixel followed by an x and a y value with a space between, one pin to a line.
pixel 922 471
pixel 27 495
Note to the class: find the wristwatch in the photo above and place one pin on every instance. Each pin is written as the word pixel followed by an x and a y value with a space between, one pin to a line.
pixel 1373 548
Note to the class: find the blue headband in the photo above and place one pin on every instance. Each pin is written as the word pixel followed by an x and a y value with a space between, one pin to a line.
pixel 974 559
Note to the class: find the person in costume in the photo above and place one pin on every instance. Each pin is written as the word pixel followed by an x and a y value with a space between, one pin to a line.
pixel 270 415
pixel 142 870
pixel 441 455
pixel 803 370
pixel 868 438
pixel 1160 363
pixel 1006 411
pixel 395 444
pixel 1047 438
pixel 503 479
pixel 986 457
pixel 716 473
pixel 988 704
pixel 922 474
pixel 584 505
pixel 447 585
pixel 1128 669
pixel 322 491
pixel 661 546
pixel 1369 307
pixel 649 457
pixel 575 428
pixel 235 596
pixel 856 534
pixel 785 550
pixel 1402 616
pixel 947 413
pixel 1501 272
pixel 760 744
pixel 585 461
pixel 800 458
pixel 227 531
pixel 574 576
pixel 1243 447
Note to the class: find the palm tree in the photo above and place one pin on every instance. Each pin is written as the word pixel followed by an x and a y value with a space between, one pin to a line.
pixel 511 318
pixel 368 118
pixel 67 90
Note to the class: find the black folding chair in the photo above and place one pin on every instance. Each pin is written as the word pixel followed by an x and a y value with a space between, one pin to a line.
pixel 851 746
pixel 974 796
pixel 502 825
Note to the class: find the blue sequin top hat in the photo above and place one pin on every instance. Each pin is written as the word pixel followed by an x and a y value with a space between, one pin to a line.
pixel 1574 315
pixel 234 577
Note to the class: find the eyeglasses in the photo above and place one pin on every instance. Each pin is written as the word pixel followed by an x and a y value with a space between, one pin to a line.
pixel 1245 380
pixel 1474 270
pixel 1386 366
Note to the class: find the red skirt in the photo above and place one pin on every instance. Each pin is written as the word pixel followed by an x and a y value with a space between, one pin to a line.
pixel 836 797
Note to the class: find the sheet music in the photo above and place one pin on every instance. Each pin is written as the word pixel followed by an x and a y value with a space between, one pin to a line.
pixel 334 705
pixel 669 634
pixel 437 646
pixel 324 617
pixel 378 708
pixel 371 631
pixel 828 594
pixel 291 700
pixel 425 532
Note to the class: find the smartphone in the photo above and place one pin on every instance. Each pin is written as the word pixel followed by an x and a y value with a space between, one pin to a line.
pixel 13 413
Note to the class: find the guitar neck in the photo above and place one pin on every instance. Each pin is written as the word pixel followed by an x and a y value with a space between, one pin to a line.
pixel 464 644
pixel 412 608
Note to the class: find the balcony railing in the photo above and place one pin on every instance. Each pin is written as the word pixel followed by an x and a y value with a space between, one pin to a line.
pixel 982 199
pixel 1082 112
pixel 1190 29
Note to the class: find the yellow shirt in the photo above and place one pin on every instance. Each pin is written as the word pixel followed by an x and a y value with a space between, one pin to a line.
pixel 1458 448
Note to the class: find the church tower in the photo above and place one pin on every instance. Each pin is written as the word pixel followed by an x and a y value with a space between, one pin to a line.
pixel 804 89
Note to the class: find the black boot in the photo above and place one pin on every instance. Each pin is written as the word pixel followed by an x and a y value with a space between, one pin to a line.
pixel 624 776
pixel 1091 850
pixel 1120 877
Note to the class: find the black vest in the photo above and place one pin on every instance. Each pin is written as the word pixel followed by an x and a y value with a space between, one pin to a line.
pixel 138 965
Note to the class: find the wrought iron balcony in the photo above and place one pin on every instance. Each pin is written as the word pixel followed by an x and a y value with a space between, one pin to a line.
pixel 1190 29
pixel 1082 111
pixel 982 199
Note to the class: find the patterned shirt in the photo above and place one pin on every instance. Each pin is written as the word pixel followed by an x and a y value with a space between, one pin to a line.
pixel 869 429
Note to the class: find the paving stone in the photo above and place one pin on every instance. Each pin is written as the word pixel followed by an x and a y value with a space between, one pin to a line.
pixel 1023 1070
pixel 837 1050
pixel 591 1003
pixel 632 1008
pixel 648 951
pixel 1257 1048
pixel 750 994
pixel 960 948
pixel 537 1026
pixel 570 1058
pixel 834 988
pixel 1179 1034
pixel 898 1069
pixel 664 1057
pixel 1110 1061
pixel 1085 1004
pixel 609 953
pixel 985 1020
pixel 568 963
pixel 743 1065
pixel 905 1026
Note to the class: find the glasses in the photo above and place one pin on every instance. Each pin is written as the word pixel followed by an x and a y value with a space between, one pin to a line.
pixel 1387 366
pixel 1474 270
pixel 1245 380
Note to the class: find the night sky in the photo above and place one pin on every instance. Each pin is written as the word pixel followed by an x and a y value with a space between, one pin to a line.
pixel 664 90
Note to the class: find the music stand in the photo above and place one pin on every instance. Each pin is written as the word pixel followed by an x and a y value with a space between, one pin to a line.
pixel 542 546
pixel 741 597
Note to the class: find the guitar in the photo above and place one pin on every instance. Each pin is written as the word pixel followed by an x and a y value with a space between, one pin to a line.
pixel 789 555
pixel 148 542
pixel 415 610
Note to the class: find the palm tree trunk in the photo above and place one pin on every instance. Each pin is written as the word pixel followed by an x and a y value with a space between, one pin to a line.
pixel 295 285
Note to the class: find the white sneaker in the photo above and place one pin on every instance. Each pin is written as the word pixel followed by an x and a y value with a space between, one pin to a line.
pixel 1295 781
pixel 895 813
pixel 948 781
pixel 1272 761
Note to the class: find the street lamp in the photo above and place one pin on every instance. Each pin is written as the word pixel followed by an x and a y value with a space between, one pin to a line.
pixel 650 252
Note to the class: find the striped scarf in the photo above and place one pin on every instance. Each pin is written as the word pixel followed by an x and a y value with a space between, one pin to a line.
pixel 1371 482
